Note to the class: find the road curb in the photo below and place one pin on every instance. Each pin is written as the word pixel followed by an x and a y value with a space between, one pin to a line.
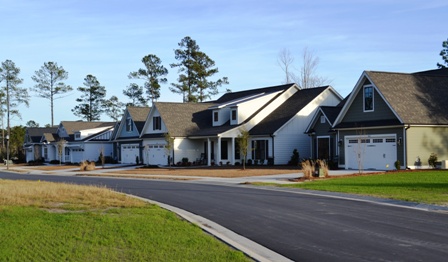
pixel 245 245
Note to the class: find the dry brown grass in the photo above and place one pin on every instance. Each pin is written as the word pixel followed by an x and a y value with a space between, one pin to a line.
pixel 51 168
pixel 62 196
pixel 208 172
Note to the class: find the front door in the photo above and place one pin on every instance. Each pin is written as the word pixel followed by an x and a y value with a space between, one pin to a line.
pixel 323 148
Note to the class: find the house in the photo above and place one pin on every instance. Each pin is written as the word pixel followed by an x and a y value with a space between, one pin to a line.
pixel 76 141
pixel 323 136
pixel 129 145
pixel 33 144
pixel 391 117
pixel 276 118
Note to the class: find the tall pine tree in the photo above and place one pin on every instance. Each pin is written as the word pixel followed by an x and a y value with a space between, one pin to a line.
pixel 91 100
pixel 444 55
pixel 194 68
pixel 153 74
pixel 49 83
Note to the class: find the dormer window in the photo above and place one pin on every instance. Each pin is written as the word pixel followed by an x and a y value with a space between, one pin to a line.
pixel 368 98
pixel 233 114
pixel 156 123
pixel 322 119
pixel 215 116
pixel 129 125
pixel 77 135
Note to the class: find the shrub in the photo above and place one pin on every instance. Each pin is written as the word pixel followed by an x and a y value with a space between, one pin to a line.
pixel 54 162
pixel 294 161
pixel 184 161
pixel 397 165
pixel 432 160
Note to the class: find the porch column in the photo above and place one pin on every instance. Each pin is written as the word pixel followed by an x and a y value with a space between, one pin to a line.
pixel 209 153
pixel 218 151
pixel 232 160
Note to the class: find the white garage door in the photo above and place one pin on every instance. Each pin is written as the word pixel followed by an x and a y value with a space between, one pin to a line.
pixel 129 152
pixel 375 152
pixel 156 155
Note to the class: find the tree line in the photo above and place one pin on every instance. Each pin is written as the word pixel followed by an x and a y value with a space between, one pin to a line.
pixel 194 83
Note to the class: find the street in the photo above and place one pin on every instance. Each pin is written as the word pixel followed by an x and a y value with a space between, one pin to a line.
pixel 297 225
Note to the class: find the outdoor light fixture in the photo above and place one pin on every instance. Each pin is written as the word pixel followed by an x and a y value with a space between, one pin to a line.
pixel 399 141
pixel 340 142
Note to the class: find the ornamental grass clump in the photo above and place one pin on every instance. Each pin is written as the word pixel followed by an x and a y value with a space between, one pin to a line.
pixel 308 168
pixel 323 167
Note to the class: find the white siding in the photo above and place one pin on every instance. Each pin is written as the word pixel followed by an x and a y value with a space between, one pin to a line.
pixel 291 136
pixel 92 151
pixel 188 148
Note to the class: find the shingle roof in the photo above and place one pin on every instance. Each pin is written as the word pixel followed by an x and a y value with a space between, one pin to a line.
pixel 139 115
pixel 331 112
pixel 286 111
pixel 236 95
pixel 74 126
pixel 184 119
pixel 418 98
pixel 36 133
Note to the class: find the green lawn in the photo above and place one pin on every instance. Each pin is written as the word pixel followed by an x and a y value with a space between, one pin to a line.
pixel 47 231
pixel 429 187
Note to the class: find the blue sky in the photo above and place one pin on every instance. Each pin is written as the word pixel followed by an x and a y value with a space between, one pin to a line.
pixel 109 38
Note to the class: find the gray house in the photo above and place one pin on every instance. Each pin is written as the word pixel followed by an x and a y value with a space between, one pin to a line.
pixel 394 116
pixel 127 137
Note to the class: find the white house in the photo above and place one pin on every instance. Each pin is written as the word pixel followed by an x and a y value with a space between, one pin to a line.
pixel 276 118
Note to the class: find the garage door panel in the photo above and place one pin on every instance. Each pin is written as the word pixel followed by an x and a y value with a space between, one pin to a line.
pixel 370 153
pixel 129 153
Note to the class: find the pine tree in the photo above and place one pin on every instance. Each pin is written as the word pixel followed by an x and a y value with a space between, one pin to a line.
pixel 153 74
pixel 49 83
pixel 92 99
pixel 194 68
pixel 444 55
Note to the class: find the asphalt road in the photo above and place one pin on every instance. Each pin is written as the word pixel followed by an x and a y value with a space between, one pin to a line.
pixel 298 225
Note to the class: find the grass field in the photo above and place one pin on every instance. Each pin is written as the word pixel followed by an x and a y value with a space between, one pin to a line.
pixel 41 221
pixel 429 187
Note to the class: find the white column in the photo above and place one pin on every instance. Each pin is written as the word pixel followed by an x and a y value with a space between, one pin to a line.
pixel 209 153
pixel 232 160
pixel 218 151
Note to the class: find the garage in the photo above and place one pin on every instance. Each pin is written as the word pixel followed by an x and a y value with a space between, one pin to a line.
pixel 129 153
pixel 156 154
pixel 370 152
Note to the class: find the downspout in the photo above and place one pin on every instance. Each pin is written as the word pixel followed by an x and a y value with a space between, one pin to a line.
pixel 405 145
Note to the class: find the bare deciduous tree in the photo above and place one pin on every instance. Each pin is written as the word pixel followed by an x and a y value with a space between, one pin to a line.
pixel 285 60
pixel 307 76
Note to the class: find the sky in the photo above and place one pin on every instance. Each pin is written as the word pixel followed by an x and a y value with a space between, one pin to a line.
pixel 108 39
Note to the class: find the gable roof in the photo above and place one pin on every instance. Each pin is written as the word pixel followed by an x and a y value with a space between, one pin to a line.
pixel 138 115
pixel 73 126
pixel 286 111
pixel 418 98
pixel 184 119
pixel 240 94
pixel 36 133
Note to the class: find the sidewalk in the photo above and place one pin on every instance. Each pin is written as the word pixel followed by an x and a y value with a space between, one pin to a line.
pixel 72 171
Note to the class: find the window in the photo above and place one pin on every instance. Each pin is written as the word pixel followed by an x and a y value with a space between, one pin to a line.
pixel 77 135
pixel 215 116
pixel 156 123
pixel 322 119
pixel 260 149
pixel 129 125
pixel 233 115
pixel 368 98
